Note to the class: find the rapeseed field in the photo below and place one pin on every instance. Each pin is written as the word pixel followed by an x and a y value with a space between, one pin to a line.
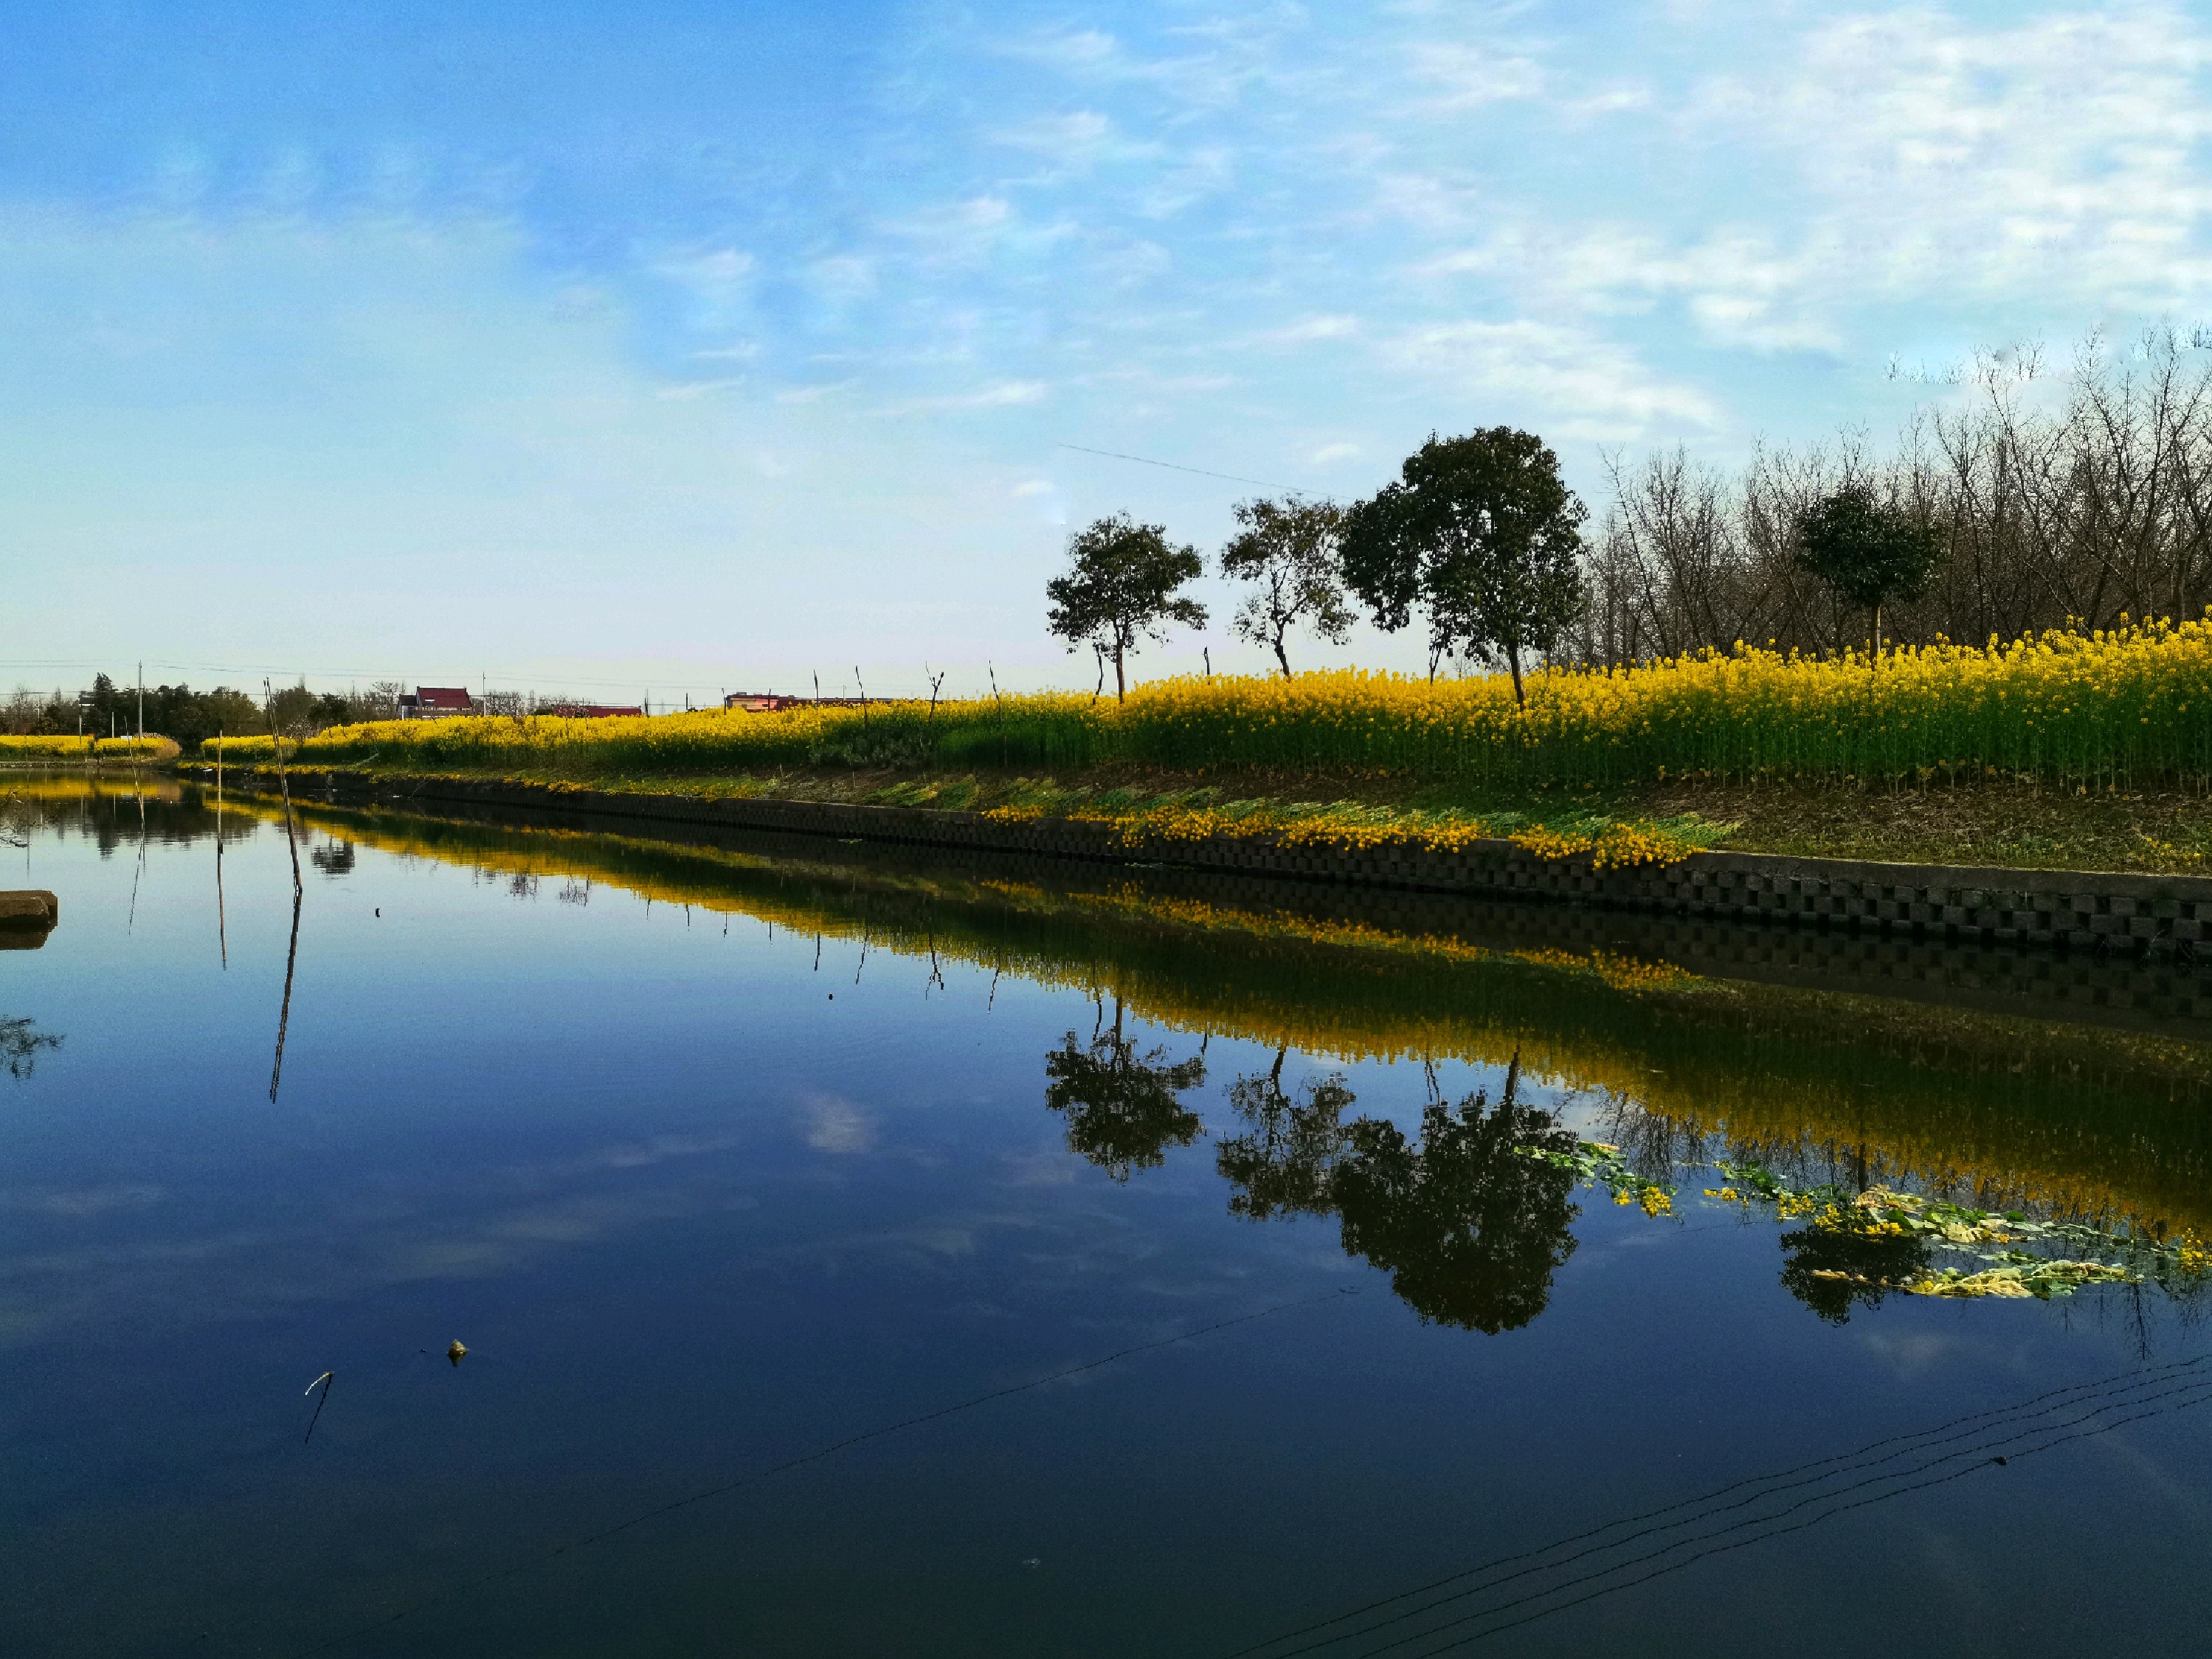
pixel 2111 708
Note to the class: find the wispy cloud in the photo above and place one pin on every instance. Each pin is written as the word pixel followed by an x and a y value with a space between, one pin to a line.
pixel 1467 75
pixel 1006 394
pixel 1587 386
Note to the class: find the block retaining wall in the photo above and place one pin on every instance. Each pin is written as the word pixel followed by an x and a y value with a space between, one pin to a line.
pixel 2090 910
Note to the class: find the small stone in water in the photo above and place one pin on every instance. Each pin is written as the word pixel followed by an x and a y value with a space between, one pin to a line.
pixel 455 1352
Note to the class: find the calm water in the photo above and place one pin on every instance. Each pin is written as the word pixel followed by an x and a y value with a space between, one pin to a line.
pixel 724 1160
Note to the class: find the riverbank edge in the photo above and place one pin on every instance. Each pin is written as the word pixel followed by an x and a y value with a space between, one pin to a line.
pixel 2092 910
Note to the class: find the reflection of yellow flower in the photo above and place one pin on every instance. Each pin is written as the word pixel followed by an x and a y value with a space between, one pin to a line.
pixel 1656 1201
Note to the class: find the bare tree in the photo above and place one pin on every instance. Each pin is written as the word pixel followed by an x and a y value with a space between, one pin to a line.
pixel 2084 499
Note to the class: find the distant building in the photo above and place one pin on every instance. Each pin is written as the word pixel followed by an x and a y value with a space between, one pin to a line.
pixel 765 702
pixel 434 703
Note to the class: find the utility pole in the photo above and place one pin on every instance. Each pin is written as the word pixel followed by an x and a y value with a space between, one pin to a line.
pixel 142 702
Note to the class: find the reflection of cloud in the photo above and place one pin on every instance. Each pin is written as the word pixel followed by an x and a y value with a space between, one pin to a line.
pixel 838 1126
pixel 1912 1354
pixel 498 1221
pixel 1038 1169
pixel 84 1201
pixel 630 1155
pixel 943 1241
pixel 513 1238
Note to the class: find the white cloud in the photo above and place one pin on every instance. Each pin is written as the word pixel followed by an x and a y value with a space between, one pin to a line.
pixel 1309 329
pixel 1071 53
pixel 2059 157
pixel 1586 384
pixel 1471 76
pixel 815 394
pixel 1006 394
pixel 843 277
pixel 1328 452
pixel 1030 489
pixel 1739 289
pixel 690 389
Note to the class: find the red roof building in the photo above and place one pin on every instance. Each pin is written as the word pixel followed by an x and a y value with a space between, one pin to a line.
pixel 432 702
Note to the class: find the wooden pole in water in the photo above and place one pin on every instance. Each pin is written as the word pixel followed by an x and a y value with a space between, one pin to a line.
pixel 284 782
pixel 221 934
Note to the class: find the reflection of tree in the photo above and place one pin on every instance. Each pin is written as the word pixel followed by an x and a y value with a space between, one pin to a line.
pixel 1283 1162
pixel 333 857
pixel 1832 1270
pixel 1122 1113
pixel 1469 1227
pixel 20 1043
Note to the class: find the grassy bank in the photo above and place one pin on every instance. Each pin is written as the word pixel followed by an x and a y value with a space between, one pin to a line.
pixel 2006 823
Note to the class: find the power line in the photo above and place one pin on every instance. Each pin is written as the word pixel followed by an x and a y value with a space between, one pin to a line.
pixel 2201 1394
pixel 1176 466
pixel 2107 1394
pixel 815 1456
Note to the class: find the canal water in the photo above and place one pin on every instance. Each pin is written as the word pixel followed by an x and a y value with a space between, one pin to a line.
pixel 860 1254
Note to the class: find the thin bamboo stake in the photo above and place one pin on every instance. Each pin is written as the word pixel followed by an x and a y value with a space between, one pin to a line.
pixel 221 933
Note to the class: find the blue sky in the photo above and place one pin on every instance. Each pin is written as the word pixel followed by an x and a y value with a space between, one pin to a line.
pixel 670 347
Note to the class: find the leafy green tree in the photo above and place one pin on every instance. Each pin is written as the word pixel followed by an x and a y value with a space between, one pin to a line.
pixel 1483 534
pixel 1120 589
pixel 1122 1113
pixel 292 710
pixel 1289 549
pixel 112 711
pixel 1868 551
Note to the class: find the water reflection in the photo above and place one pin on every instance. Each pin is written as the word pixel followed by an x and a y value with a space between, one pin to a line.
pixel 1469 1225
pixel 1121 1106
pixel 692 1214
pixel 1283 1162
pixel 21 1042
pixel 333 857
pixel 1831 1273
pixel 2079 1122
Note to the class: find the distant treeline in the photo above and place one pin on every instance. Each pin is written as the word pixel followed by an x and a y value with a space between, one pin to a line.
pixel 188 716
pixel 2091 506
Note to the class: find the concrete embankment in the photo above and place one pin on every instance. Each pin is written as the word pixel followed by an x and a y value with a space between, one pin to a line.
pixel 2159 915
